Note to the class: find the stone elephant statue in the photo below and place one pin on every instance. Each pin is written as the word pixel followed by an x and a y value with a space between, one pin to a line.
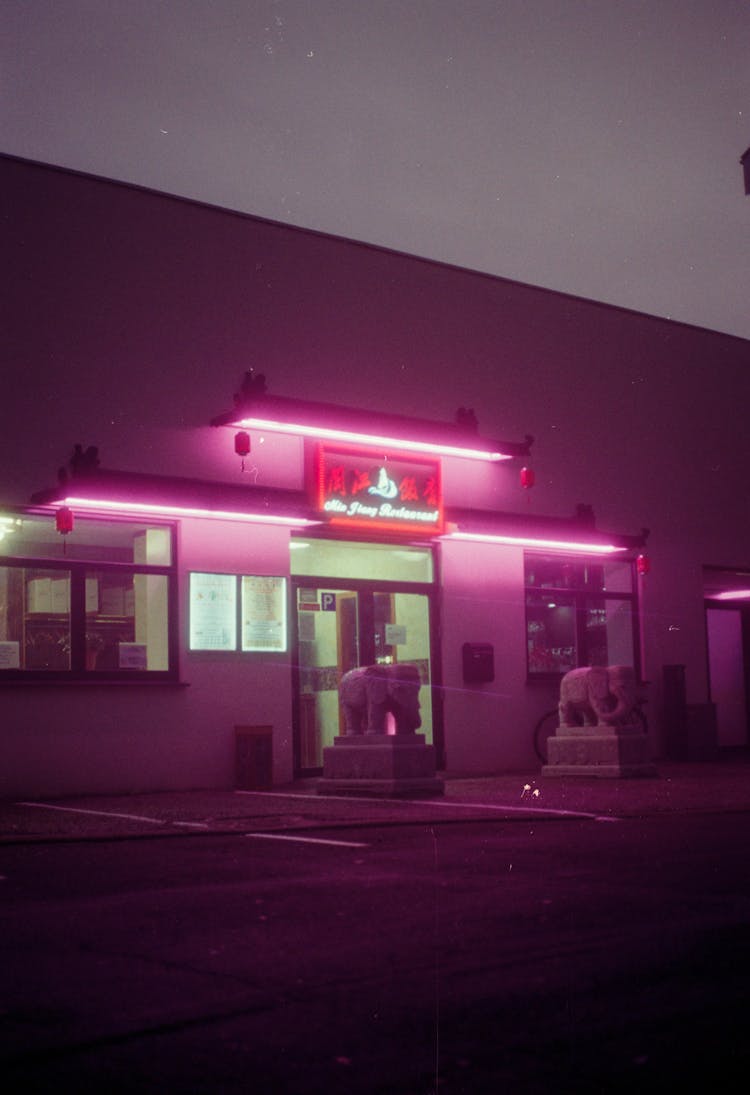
pixel 367 694
pixel 598 695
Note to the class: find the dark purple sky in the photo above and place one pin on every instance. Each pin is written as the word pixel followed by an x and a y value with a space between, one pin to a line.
pixel 589 146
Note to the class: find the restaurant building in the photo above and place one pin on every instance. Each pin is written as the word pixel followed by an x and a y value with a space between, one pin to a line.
pixel 183 619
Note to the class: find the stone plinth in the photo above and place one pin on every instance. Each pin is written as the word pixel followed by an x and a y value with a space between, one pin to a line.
pixel 607 751
pixel 391 765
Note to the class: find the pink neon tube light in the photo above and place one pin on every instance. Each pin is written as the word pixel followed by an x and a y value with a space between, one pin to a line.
pixel 351 436
pixel 533 541
pixel 183 511
pixel 732 595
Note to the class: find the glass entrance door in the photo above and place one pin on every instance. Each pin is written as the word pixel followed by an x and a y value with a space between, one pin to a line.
pixel 339 629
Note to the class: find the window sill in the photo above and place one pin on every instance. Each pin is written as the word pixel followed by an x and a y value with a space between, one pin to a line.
pixel 88 682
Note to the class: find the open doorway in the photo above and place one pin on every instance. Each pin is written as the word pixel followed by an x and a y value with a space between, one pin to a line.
pixel 358 603
pixel 727 602
pixel 340 629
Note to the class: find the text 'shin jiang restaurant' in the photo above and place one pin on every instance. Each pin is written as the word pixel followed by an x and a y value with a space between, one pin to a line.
pixel 246 604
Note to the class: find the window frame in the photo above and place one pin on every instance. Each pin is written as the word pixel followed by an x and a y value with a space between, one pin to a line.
pixel 77 570
pixel 240 643
pixel 584 598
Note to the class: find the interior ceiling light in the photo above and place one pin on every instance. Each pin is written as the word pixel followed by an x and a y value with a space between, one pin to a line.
pixel 159 509
pixel 536 542
pixel 8 524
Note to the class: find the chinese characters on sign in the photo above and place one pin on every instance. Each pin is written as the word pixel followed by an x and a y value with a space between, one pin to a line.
pixel 367 488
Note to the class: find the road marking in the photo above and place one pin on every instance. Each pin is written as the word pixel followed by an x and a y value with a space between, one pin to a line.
pixel 534 810
pixel 94 813
pixel 111 813
pixel 446 805
pixel 307 840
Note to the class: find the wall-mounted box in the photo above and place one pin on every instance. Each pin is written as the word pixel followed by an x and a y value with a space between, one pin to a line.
pixel 478 662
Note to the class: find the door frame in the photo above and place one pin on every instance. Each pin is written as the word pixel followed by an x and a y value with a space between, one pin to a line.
pixel 744 613
pixel 429 590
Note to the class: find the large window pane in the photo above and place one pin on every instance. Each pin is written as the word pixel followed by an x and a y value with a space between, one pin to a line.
pixel 553 572
pixel 609 632
pixel 352 559
pixel 61 615
pixel 570 619
pixel 126 621
pixel 34 618
pixel 592 575
pixel 11 618
pixel 618 576
pixel 551 633
pixel 91 540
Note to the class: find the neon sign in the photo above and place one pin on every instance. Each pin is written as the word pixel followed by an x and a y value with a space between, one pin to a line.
pixel 364 487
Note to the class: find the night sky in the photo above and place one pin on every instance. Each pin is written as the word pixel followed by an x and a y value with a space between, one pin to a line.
pixel 589 146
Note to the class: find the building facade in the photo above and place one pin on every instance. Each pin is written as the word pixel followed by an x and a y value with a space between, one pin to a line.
pixel 196 583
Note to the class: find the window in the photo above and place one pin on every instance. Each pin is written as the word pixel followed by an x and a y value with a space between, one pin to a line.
pixel 358 559
pixel 95 604
pixel 214 605
pixel 578 612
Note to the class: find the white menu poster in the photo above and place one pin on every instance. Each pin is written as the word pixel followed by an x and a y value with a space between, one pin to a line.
pixel 10 655
pixel 213 611
pixel 263 613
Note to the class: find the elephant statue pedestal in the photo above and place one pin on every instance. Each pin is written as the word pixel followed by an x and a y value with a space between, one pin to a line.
pixel 599 733
pixel 391 765
pixel 368 761
pixel 607 751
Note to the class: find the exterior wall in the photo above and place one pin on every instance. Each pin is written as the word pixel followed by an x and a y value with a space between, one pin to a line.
pixel 242 688
pixel 131 317
pixel 488 727
pixel 60 739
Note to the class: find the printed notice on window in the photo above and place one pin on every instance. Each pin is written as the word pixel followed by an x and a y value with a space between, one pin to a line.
pixel 264 613
pixel 10 655
pixel 213 611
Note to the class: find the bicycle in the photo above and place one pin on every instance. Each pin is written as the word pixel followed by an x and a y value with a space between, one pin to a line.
pixel 550 720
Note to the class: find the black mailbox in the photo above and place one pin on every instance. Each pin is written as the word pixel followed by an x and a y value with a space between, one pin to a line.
pixel 479 662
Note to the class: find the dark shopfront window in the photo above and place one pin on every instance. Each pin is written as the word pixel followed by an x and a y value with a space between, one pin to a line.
pixel 578 612
pixel 93 606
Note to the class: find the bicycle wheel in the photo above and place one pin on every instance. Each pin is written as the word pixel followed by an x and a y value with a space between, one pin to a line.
pixel 544 729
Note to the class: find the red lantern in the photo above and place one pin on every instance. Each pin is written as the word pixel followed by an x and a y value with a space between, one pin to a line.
pixel 527 478
pixel 242 445
pixel 643 564
pixel 64 520
pixel 64 523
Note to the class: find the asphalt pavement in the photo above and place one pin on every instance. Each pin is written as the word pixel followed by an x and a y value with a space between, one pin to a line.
pixel 462 950
pixel 678 787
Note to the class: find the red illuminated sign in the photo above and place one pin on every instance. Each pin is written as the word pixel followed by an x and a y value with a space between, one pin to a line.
pixel 366 488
